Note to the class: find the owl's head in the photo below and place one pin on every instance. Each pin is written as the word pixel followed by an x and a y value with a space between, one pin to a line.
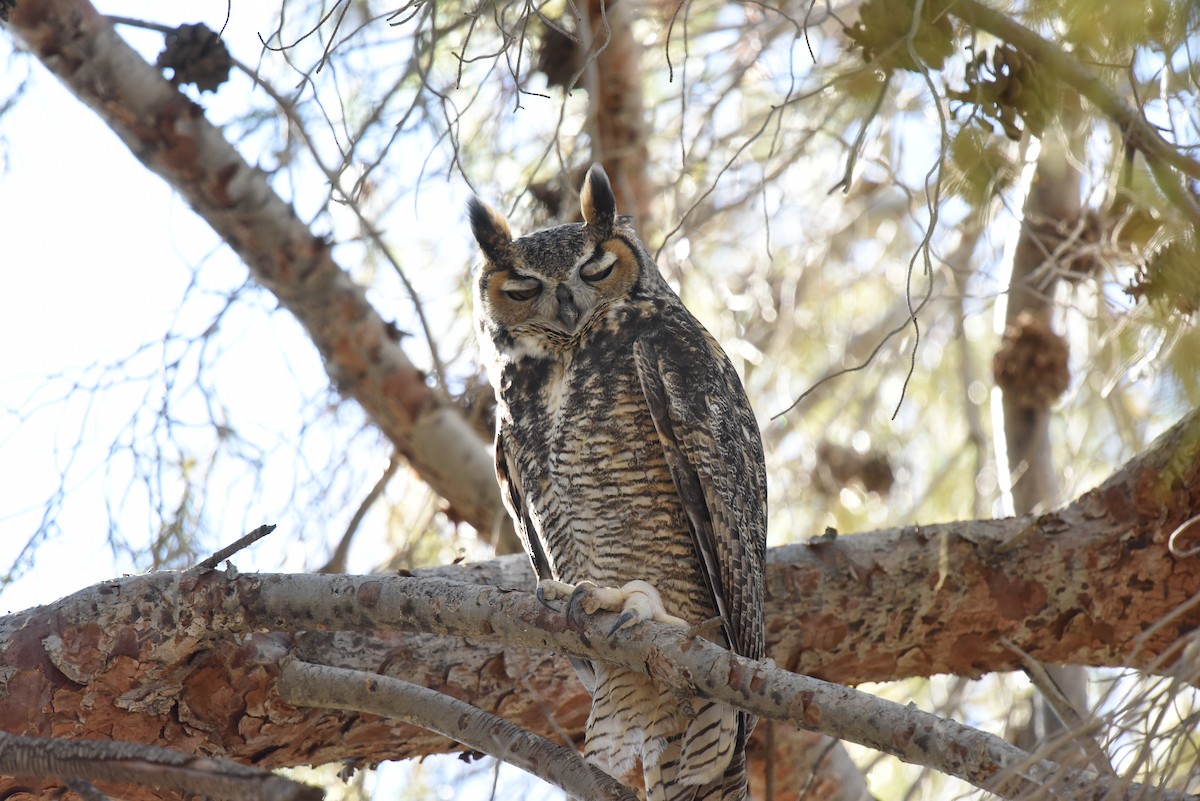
pixel 539 290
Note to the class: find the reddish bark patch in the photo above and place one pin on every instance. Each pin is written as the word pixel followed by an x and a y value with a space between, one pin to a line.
pixel 1014 598
pixel 823 631
pixel 369 593
pixel 24 706
pixel 209 702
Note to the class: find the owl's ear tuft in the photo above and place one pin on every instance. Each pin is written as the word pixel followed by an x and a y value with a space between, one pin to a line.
pixel 490 229
pixel 596 200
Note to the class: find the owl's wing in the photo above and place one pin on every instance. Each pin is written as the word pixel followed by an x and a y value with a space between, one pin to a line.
pixel 514 498
pixel 714 452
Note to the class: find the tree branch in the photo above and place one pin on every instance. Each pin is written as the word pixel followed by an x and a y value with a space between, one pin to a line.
pixel 158 657
pixel 172 137
pixel 240 544
pixel 305 684
pixel 137 764
pixel 1138 133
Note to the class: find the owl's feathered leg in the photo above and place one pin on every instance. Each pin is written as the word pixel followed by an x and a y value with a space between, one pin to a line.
pixel 637 601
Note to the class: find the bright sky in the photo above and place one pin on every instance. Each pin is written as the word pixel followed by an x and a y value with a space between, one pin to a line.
pixel 100 254
pixel 97 250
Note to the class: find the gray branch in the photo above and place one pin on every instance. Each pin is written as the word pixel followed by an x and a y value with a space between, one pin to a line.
pixel 305 684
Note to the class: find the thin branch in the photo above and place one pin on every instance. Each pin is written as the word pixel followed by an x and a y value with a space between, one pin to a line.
pixel 229 550
pixel 337 562
pixel 1075 727
pixel 856 147
pixel 306 684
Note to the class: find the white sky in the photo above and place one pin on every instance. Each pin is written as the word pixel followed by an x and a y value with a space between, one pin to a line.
pixel 97 250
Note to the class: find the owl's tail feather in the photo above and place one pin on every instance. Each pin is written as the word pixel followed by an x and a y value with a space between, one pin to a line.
pixel 704 762
pixel 637 734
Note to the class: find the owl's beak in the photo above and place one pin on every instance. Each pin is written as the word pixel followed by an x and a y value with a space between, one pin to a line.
pixel 568 312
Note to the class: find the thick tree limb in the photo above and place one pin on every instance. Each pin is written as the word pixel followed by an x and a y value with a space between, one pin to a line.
pixel 673 656
pixel 156 657
pixel 171 136
pixel 225 604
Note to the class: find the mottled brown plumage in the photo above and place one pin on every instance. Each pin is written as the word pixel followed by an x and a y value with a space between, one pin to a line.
pixel 626 450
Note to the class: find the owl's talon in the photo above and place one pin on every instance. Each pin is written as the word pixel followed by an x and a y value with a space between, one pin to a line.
pixel 540 594
pixel 580 604
pixel 551 590
pixel 637 601
pixel 621 621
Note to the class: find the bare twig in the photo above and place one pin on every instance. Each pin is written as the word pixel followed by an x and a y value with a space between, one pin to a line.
pixel 1076 727
pixel 229 550
pixel 337 562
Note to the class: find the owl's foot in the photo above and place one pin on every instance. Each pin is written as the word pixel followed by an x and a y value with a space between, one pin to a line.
pixel 636 601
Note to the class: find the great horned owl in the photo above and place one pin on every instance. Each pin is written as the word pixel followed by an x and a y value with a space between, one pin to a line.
pixel 630 459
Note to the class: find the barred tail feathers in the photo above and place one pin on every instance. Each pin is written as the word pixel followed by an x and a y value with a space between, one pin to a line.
pixel 706 761
pixel 637 735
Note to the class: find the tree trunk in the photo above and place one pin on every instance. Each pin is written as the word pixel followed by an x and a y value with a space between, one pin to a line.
pixel 617 116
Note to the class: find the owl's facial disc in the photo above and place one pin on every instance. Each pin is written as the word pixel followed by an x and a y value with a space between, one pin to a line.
pixel 546 288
